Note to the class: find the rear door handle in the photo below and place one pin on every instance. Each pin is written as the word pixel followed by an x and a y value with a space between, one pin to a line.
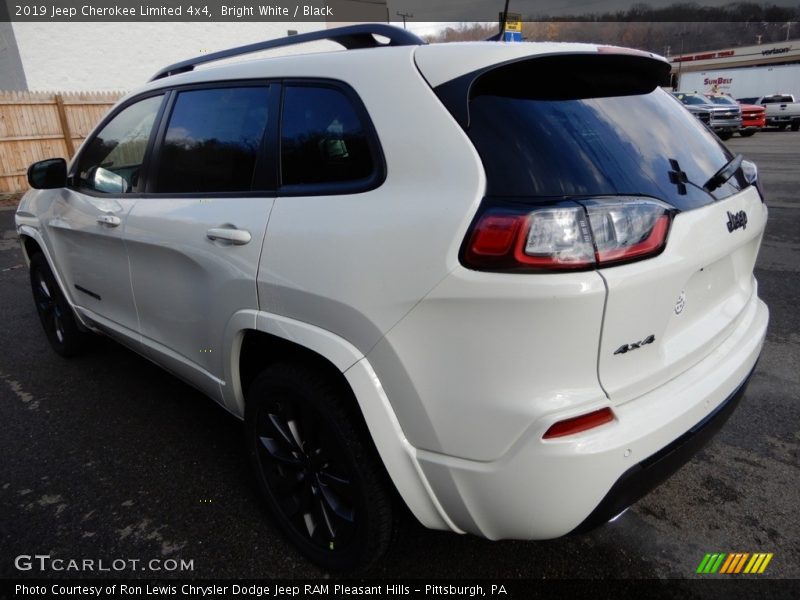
pixel 109 220
pixel 238 237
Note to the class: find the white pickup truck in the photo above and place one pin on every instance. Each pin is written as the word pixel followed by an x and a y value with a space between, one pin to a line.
pixel 782 110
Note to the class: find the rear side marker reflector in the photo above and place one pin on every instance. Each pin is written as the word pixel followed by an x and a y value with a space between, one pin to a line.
pixel 578 424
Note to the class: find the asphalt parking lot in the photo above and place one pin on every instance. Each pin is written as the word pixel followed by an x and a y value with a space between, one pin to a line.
pixel 106 456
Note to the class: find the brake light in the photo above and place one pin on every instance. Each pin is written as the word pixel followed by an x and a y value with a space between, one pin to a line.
pixel 571 236
pixel 578 424
pixel 494 235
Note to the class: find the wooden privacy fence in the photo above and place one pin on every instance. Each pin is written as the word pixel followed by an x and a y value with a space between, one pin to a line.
pixel 39 125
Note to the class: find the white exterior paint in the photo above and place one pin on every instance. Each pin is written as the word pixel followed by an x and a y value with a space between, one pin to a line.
pixel 458 372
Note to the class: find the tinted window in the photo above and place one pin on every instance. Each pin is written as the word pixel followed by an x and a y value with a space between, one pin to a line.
pixel 212 140
pixel 595 146
pixel 323 140
pixel 113 158
pixel 722 100
pixel 692 99
pixel 777 99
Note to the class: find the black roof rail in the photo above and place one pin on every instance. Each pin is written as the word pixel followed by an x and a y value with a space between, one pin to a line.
pixel 351 37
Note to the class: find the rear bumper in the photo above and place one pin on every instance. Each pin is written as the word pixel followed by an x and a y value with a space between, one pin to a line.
pixel 644 477
pixel 546 489
pixel 782 119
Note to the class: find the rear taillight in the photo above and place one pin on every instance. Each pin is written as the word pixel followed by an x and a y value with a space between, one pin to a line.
pixel 579 424
pixel 570 236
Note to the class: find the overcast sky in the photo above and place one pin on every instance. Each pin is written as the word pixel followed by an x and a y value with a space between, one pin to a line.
pixel 487 10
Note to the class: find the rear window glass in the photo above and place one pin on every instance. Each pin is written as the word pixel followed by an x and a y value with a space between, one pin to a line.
pixel 777 99
pixel 594 146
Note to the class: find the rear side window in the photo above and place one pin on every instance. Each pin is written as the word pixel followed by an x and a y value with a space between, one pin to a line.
pixel 326 144
pixel 213 140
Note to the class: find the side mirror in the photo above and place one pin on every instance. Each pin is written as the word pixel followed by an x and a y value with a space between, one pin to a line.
pixel 107 181
pixel 48 174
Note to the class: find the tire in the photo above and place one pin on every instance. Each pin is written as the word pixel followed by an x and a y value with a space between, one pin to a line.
pixel 55 313
pixel 725 135
pixel 322 480
pixel 748 133
pixel 795 125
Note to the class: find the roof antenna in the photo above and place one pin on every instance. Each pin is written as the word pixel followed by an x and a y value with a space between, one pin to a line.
pixel 499 36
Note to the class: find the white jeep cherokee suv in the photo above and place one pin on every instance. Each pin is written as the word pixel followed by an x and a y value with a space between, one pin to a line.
pixel 512 282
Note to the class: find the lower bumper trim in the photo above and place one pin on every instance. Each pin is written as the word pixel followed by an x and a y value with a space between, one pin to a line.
pixel 642 478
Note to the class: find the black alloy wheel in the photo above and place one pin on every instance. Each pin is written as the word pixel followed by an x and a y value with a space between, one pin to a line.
pixel 55 313
pixel 323 483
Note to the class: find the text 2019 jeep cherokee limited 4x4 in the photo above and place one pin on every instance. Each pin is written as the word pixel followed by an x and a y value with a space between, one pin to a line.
pixel 512 281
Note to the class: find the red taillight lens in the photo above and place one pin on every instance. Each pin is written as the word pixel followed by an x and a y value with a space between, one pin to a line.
pixel 494 235
pixel 578 424
pixel 567 237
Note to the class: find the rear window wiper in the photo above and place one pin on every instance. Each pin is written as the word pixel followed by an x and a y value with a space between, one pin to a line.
pixel 725 173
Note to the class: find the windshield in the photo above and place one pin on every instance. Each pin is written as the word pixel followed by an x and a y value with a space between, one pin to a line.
pixel 722 100
pixel 596 147
pixel 691 99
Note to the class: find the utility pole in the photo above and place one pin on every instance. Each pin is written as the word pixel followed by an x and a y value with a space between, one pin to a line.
pixel 405 16
pixel 503 19
pixel 788 29
pixel 682 34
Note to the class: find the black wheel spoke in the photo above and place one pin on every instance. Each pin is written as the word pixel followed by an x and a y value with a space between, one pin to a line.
pixel 328 478
pixel 310 523
pixel 335 504
pixel 303 463
pixel 279 454
pixel 306 509
pixel 282 427
pixel 44 300
pixel 326 518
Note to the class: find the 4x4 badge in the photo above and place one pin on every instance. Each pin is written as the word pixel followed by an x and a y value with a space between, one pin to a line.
pixel 681 303
pixel 635 345
pixel 737 221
